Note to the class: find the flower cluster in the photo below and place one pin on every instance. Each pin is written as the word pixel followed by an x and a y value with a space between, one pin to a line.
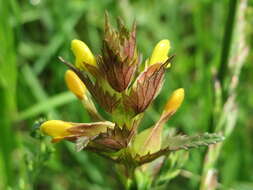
pixel 124 87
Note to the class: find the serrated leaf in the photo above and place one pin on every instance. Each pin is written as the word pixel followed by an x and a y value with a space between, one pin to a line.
pixel 186 142
pixel 180 142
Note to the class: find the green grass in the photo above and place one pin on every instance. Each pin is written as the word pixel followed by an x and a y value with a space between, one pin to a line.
pixel 32 36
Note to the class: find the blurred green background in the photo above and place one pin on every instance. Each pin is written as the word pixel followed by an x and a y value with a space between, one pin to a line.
pixel 33 33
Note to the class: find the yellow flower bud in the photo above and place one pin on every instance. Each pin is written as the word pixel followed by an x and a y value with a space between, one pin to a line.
pixel 75 84
pixel 175 101
pixel 83 54
pixel 56 129
pixel 160 52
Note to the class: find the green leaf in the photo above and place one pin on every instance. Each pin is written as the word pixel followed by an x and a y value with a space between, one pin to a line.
pixel 186 142
pixel 180 142
pixel 148 141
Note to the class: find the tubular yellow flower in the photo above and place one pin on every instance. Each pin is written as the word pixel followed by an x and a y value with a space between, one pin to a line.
pixel 160 52
pixel 175 101
pixel 83 54
pixel 75 84
pixel 56 129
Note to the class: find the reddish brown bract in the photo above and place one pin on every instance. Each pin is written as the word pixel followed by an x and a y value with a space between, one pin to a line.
pixel 119 59
pixel 148 85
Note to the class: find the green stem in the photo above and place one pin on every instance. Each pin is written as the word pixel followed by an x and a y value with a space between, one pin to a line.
pixel 227 43
pixel 228 113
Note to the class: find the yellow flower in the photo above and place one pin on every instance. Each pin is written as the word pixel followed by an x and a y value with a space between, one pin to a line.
pixel 75 84
pixel 56 129
pixel 174 101
pixel 160 52
pixel 83 54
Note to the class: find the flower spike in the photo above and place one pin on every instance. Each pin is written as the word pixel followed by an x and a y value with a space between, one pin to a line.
pixel 83 54
pixel 123 88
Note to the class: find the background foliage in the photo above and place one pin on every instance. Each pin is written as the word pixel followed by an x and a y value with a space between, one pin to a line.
pixel 33 33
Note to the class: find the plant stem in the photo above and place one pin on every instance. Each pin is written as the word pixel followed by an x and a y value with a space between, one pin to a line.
pixel 227 41
pixel 233 55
